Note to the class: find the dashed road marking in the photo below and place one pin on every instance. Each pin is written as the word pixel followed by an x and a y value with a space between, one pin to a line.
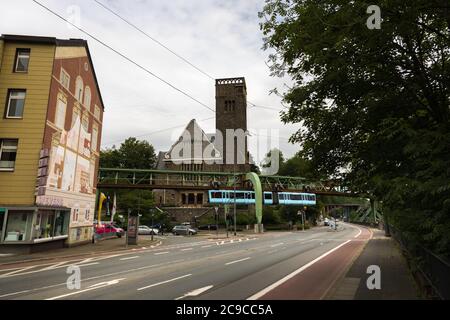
pixel 164 282
pixel 160 253
pixel 277 245
pixel 237 261
pixel 130 258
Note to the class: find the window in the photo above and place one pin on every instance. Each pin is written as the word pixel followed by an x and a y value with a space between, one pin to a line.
pixel 18 226
pixel 94 138
pixel 75 116
pixel 87 97
pixel 8 154
pixel 60 116
pixel 79 89
pixel 16 104
pixel 85 123
pixel 76 212
pixel 216 195
pixel 64 78
pixel 97 112
pixel 230 106
pixel 22 60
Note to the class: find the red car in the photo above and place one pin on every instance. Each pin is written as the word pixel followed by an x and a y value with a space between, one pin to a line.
pixel 109 228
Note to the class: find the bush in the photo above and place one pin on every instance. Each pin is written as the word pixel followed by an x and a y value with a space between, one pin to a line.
pixel 300 226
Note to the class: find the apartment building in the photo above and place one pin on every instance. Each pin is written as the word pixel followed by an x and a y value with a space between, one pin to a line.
pixel 50 135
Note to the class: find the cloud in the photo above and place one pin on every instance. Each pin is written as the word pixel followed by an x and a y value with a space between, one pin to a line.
pixel 220 37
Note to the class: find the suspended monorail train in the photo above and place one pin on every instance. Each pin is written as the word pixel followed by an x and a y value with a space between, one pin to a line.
pixel 270 198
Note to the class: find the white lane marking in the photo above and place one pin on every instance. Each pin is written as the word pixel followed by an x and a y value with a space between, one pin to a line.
pixel 98 277
pixel 359 233
pixel 195 293
pixel 164 282
pixel 86 264
pixel 160 253
pixel 93 287
pixel 188 249
pixel 130 258
pixel 207 246
pixel 55 266
pixel 17 271
pixel 277 245
pixel 237 261
pixel 14 294
pixel 293 274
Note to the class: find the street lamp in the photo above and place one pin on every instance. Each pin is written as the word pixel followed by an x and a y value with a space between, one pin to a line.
pixel 234 178
pixel 152 232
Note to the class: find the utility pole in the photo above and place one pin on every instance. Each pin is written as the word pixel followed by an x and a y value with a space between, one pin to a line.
pixel 234 175
pixel 152 225
pixel 217 222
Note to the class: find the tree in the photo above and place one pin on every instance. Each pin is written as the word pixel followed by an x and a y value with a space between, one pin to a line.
pixel 132 154
pixel 268 164
pixel 299 166
pixel 373 104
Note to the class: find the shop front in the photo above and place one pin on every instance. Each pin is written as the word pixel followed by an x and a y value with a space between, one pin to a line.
pixel 33 229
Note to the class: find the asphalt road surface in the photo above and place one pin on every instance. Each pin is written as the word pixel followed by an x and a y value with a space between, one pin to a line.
pixel 304 265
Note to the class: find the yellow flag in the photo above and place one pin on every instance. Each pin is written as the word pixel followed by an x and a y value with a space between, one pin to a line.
pixel 100 205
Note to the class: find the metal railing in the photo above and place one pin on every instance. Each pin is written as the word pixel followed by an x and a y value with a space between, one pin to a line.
pixel 435 269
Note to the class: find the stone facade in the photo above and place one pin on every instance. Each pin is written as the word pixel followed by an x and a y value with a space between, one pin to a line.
pixel 197 151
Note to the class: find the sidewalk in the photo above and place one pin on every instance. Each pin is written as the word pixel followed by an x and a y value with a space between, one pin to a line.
pixel 101 247
pixel 396 280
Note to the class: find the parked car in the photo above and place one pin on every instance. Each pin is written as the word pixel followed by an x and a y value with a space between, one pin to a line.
pixel 184 230
pixel 326 222
pixel 109 228
pixel 144 230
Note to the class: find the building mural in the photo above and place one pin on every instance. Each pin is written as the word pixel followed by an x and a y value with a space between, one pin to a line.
pixel 71 141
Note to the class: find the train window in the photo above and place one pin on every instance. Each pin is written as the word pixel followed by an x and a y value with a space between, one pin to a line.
pixel 268 196
pixel 296 197
pixel 282 196
pixel 240 195
pixel 216 195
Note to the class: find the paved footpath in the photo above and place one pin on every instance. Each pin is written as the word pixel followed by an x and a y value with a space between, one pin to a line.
pixel 396 280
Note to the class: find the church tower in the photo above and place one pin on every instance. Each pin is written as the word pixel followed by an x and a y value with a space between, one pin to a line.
pixel 231 113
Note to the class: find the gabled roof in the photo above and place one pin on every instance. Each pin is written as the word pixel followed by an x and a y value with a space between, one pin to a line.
pixel 58 43
pixel 198 140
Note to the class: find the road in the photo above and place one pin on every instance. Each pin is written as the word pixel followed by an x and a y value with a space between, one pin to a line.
pixel 282 265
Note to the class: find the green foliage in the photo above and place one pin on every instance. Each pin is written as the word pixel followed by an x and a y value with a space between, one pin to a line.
pixel 132 154
pixel 375 102
pixel 271 216
pixel 297 166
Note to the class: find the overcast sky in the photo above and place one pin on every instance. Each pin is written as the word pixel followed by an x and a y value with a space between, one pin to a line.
pixel 221 37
